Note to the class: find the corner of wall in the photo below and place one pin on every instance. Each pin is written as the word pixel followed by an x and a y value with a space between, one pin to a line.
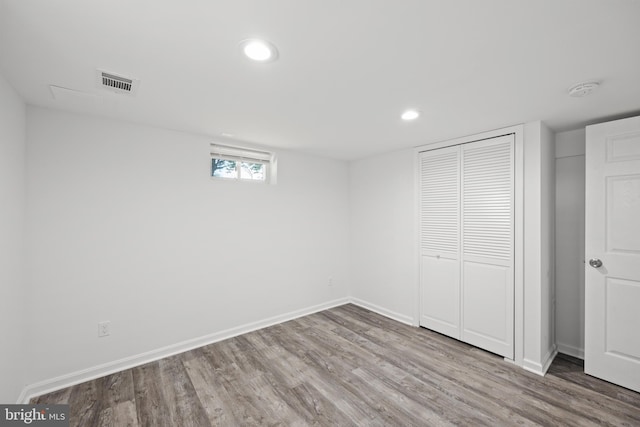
pixel 532 238
pixel 548 240
pixel 539 252
pixel 569 247
pixel 13 142
pixel 402 318
pixel 570 143
pixel 383 267
pixel 541 367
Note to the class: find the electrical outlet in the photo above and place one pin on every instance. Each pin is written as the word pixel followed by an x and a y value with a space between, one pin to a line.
pixel 330 281
pixel 104 328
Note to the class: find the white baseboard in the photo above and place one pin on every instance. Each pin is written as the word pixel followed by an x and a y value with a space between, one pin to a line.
pixel 73 378
pixel 541 368
pixel 24 396
pixel 571 350
pixel 383 311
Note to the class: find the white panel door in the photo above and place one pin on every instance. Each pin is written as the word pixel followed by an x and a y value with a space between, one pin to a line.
pixel 487 312
pixel 612 276
pixel 439 240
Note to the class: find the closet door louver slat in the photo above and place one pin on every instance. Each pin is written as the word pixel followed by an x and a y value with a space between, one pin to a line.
pixel 440 240
pixel 487 201
pixel 487 216
pixel 440 201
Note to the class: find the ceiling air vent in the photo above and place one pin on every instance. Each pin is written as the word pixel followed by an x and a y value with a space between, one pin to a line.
pixel 116 83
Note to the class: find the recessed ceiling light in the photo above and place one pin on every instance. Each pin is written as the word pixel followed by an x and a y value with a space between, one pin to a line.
pixel 410 115
pixel 583 89
pixel 259 50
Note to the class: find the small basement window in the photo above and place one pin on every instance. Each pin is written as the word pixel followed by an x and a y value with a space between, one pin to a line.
pixel 237 163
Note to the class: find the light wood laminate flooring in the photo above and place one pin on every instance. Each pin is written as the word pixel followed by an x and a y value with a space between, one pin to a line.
pixel 345 366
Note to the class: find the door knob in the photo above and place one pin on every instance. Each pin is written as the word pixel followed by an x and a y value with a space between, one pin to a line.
pixel 595 263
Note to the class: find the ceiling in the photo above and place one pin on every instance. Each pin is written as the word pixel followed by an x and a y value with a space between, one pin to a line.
pixel 346 69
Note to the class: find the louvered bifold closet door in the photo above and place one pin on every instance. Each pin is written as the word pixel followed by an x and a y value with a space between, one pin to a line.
pixel 487 279
pixel 439 240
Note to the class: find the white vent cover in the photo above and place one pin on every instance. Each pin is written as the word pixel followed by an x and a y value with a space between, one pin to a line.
pixel 117 83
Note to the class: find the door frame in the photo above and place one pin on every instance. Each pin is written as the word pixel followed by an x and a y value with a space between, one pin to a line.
pixel 518 267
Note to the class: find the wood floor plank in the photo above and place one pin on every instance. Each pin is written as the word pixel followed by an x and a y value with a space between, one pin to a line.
pixel 346 397
pixel 151 403
pixel 479 383
pixel 474 387
pixel 539 410
pixel 121 414
pixel 86 399
pixel 277 381
pixel 204 382
pixel 118 400
pixel 468 402
pixel 232 378
pixel 345 366
pixel 322 360
pixel 118 388
pixel 185 409
pixel 314 407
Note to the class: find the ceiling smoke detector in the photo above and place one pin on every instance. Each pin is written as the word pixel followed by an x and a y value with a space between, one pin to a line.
pixel 116 83
pixel 583 89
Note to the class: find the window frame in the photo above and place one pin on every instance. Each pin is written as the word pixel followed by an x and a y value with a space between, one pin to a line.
pixel 241 155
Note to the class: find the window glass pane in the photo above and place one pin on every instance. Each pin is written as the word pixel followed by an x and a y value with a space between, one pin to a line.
pixel 224 168
pixel 252 171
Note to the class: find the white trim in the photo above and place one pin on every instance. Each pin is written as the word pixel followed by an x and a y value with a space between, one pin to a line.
pixel 68 380
pixel 571 350
pixel 541 369
pixel 416 236
pixel 518 131
pixel 240 153
pixel 407 320
pixel 470 138
pixel 98 371
pixel 518 267
pixel 24 396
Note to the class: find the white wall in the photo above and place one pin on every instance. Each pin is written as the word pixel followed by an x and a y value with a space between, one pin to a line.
pixel 539 211
pixel 570 209
pixel 384 269
pixel 12 208
pixel 548 208
pixel 125 224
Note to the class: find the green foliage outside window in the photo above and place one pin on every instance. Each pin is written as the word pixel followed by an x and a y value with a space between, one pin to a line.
pixel 223 168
